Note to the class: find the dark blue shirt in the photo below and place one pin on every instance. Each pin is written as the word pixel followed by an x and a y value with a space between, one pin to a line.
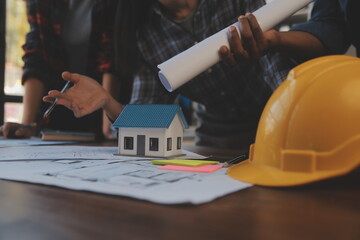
pixel 335 23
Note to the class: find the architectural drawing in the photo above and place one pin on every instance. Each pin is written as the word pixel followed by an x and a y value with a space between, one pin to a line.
pixel 129 178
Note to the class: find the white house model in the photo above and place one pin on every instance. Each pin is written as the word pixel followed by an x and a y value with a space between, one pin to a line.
pixel 151 130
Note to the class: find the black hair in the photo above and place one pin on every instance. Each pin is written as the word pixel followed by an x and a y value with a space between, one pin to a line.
pixel 130 16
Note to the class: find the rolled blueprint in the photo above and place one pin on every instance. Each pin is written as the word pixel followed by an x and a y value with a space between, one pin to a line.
pixel 185 66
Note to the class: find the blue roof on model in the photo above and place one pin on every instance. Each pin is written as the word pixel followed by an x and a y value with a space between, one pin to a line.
pixel 149 116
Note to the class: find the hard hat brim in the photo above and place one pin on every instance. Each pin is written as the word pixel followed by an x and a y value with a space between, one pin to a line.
pixel 262 175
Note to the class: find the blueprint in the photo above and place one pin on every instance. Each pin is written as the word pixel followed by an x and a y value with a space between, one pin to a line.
pixel 71 152
pixel 97 169
pixel 34 141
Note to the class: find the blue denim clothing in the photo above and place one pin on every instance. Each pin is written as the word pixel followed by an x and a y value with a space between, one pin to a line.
pixel 335 23
pixel 231 98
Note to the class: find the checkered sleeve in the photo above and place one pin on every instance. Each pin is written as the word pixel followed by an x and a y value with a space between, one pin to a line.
pixel 34 53
pixel 147 89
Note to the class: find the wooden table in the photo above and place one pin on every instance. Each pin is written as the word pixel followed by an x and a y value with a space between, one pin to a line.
pixel 325 210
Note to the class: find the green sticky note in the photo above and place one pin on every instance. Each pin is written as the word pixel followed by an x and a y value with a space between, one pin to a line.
pixel 183 162
pixel 202 169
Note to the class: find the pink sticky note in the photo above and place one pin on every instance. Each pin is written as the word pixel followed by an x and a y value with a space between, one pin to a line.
pixel 203 169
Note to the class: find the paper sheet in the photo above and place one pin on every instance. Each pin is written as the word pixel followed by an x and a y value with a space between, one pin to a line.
pixel 134 178
pixel 195 60
pixel 70 152
pixel 28 142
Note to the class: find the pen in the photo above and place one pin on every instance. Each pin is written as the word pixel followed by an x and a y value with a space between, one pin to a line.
pixel 236 160
pixel 52 106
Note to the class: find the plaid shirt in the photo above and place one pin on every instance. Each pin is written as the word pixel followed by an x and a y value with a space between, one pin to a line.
pixel 231 97
pixel 237 89
pixel 44 56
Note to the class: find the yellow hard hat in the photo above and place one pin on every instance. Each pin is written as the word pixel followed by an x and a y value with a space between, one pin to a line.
pixel 310 127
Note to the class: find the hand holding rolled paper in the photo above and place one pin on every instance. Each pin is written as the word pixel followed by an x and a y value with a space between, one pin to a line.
pixel 250 45
pixel 185 66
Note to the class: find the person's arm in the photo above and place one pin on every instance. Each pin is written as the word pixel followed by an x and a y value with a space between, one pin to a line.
pixel 298 44
pixel 254 43
pixel 112 85
pixel 34 68
pixel 329 25
pixel 34 91
pixel 85 97
pixel 35 76
pixel 105 58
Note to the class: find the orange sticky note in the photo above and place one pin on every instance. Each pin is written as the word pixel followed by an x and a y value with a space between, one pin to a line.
pixel 203 169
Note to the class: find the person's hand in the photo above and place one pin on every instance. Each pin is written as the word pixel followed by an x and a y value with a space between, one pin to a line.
pixel 17 130
pixel 254 43
pixel 85 97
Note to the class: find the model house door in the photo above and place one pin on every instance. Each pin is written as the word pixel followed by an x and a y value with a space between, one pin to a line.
pixel 140 147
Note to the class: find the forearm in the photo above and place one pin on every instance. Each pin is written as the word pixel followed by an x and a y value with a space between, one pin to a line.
pixel 299 45
pixel 34 91
pixel 111 84
pixel 112 108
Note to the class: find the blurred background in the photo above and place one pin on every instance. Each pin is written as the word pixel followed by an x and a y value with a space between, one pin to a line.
pixel 14 26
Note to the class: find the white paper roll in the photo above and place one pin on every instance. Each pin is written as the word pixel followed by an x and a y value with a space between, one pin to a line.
pixel 185 66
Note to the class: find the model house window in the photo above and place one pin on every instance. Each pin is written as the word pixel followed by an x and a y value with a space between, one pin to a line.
pixel 178 144
pixel 169 144
pixel 154 144
pixel 128 143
